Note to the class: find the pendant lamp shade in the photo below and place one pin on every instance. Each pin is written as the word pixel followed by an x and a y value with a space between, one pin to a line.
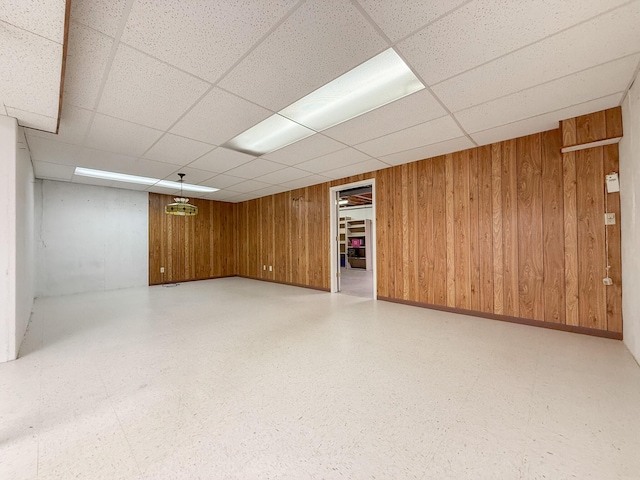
pixel 181 206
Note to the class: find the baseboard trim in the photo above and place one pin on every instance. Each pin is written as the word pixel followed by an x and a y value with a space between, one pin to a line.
pixel 506 318
pixel 322 289
pixel 191 280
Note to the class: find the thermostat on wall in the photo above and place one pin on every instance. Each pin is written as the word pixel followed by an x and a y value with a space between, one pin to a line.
pixel 613 185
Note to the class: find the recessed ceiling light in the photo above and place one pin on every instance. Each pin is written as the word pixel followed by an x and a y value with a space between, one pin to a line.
pixel 124 177
pixel 380 80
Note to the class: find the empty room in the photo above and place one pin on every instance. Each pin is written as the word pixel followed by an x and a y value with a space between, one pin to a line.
pixel 323 239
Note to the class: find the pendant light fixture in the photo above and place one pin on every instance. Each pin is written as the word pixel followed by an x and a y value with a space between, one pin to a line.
pixel 181 206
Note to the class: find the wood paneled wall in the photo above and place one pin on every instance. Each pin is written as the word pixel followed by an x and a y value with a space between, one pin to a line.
pixel 191 248
pixel 512 230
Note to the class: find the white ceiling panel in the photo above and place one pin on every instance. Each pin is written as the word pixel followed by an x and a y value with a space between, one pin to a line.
pixel 33 120
pixel 220 160
pixel 74 123
pixel 219 117
pixel 53 171
pixel 177 150
pixel 44 17
pixel 429 151
pixel 398 21
pixel 356 169
pixel 101 15
pixel 484 30
pixel 114 162
pixel 222 181
pixel 46 150
pixel 164 191
pixel 272 190
pixel 248 186
pixel 317 43
pixel 98 182
pixel 334 160
pixel 30 66
pixel 306 149
pixel 255 168
pixel 606 38
pixel 192 175
pixel 87 57
pixel 200 36
pixel 144 90
pixel 120 136
pixel 306 181
pixel 547 121
pixel 435 131
pixel 406 112
pixel 220 195
pixel 243 197
pixel 285 175
pixel 574 89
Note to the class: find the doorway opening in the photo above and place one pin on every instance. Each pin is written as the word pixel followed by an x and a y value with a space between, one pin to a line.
pixel 353 239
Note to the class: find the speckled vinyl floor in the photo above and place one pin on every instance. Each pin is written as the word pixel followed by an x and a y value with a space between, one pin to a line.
pixel 356 281
pixel 235 378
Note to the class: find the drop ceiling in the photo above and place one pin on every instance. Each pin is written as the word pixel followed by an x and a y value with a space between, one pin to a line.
pixel 154 88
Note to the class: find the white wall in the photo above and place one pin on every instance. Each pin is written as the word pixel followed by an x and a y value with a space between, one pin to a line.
pixel 357 213
pixel 16 234
pixel 90 238
pixel 630 221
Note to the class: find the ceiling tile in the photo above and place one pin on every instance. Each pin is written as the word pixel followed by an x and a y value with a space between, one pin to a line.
pixel 46 150
pixel 606 38
pixel 333 160
pixel 316 44
pixel 101 15
pixel 31 66
pixel 53 171
pixel 98 182
pixel 578 88
pixel 144 90
pixel 243 197
pixel 120 136
pixel 115 162
pixel 222 181
pixel 87 57
pixel 370 165
pixel 74 123
pixel 221 159
pixel 43 17
pixel 202 37
pixel 429 151
pixel 177 150
pixel 272 190
pixel 306 181
pixel 220 195
pixel 482 31
pixel 255 168
pixel 306 149
pixel 163 191
pixel 435 131
pixel 547 121
pixel 192 175
pixel 248 186
pixel 397 23
pixel 286 175
pixel 33 120
pixel 219 117
pixel 417 108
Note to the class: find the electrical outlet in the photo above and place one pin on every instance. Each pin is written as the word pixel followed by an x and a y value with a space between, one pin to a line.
pixel 607 281
pixel 609 218
pixel 161 269
pixel 270 268
pixel 264 267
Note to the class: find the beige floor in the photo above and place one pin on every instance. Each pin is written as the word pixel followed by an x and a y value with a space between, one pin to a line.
pixel 356 281
pixel 236 378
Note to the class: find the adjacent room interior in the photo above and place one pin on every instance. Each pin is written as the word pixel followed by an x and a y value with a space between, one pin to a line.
pixel 319 239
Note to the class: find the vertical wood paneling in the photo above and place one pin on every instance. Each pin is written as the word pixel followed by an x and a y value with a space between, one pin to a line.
pixel 404 201
pixel 614 122
pixel 591 127
pixel 399 234
pixel 438 288
pixel 425 231
pixel 510 227
pixel 474 236
pixel 485 229
pixel 414 288
pixel 497 216
pixel 461 240
pixel 570 239
pixel 591 242
pixel 612 202
pixel 530 233
pixel 450 220
pixel 569 132
pixel 553 228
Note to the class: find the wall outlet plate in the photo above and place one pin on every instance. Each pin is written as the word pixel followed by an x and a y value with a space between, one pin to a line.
pixel 607 281
pixel 161 269
pixel 609 218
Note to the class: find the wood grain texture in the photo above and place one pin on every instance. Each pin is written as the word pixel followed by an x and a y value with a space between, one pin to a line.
pixel 439 287
pixel 591 238
pixel 591 127
pixel 612 203
pixel 553 228
pixel 474 229
pixel 497 217
pixel 462 262
pixel 530 232
pixel 450 233
pixel 510 227
pixel 485 228
pixel 613 118
pixel 569 132
pixel 572 316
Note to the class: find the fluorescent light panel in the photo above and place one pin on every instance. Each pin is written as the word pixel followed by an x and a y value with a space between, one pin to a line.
pixel 124 177
pixel 383 79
